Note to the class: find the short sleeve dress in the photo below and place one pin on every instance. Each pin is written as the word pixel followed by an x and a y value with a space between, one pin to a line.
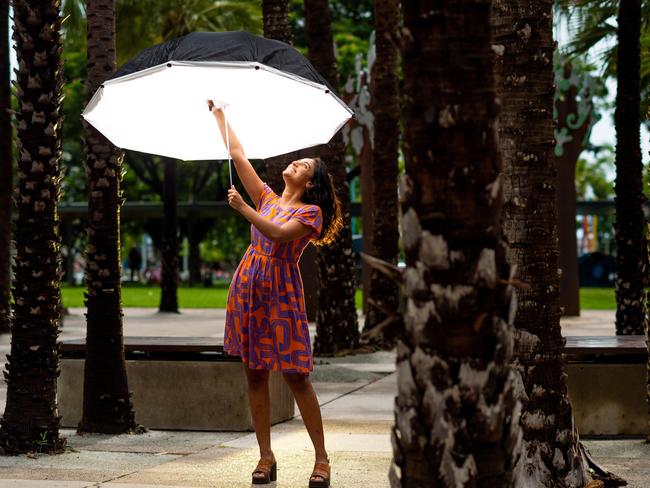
pixel 266 322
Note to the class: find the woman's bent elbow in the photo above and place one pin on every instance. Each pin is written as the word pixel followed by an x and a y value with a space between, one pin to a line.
pixel 280 237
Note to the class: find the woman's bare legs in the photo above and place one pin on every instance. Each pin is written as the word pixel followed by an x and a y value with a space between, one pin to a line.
pixel 309 408
pixel 260 404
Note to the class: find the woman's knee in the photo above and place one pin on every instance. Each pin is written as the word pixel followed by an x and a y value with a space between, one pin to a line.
pixel 296 381
pixel 257 377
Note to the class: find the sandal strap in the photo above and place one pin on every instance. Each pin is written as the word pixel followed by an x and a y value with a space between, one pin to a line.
pixel 322 470
pixel 264 466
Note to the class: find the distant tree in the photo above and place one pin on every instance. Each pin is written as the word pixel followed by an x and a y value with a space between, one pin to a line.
pixel 276 26
pixel 6 170
pixel 145 22
pixel 170 258
pixel 352 25
pixel 107 407
pixel 383 296
pixel 141 23
pixel 31 417
pixel 196 228
pixel 275 15
pixel 575 114
pixel 456 411
pixel 594 23
pixel 336 320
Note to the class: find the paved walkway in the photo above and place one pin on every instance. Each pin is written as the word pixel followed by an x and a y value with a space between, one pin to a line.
pixel 356 394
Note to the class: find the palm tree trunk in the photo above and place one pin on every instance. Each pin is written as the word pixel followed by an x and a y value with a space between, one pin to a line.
pixel 170 258
pixel 31 420
pixel 275 15
pixel 336 320
pixel 524 80
pixel 6 178
pixel 107 407
pixel 194 261
pixel 384 294
pixel 628 227
pixel 574 121
pixel 456 413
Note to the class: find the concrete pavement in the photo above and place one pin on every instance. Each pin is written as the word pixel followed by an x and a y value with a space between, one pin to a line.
pixel 356 394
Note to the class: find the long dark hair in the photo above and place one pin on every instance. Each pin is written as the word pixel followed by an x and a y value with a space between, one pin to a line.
pixel 323 194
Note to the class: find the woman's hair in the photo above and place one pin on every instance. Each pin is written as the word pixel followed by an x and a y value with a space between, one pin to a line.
pixel 323 194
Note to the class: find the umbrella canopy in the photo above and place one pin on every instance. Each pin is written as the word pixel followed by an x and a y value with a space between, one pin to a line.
pixel 275 100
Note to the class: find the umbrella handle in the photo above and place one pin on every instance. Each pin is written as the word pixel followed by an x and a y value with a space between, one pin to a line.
pixel 225 118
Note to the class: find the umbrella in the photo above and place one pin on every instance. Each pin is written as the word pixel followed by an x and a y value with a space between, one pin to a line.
pixel 274 99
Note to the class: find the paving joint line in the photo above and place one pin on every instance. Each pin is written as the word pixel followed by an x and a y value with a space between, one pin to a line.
pixel 349 392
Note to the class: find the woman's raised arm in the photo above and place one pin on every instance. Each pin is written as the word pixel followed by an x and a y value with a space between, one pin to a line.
pixel 249 178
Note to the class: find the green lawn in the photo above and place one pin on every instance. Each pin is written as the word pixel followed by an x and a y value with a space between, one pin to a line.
pixel 142 296
pixel 597 299
pixel 215 297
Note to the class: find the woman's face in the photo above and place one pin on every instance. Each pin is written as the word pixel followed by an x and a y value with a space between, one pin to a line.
pixel 300 172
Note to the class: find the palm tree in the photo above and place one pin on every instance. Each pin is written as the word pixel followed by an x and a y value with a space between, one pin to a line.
pixel 31 418
pixel 456 412
pixel 592 24
pixel 145 22
pixel 275 15
pixel 170 259
pixel 575 116
pixel 628 227
pixel 336 320
pixel 107 407
pixel 141 23
pixel 383 293
pixel 525 88
pixel 6 177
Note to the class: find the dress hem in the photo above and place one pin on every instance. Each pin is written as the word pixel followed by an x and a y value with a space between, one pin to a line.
pixel 274 369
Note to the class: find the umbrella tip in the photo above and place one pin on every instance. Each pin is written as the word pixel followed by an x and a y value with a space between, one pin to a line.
pixel 169 65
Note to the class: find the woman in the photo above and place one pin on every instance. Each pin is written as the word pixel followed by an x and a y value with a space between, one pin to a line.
pixel 266 323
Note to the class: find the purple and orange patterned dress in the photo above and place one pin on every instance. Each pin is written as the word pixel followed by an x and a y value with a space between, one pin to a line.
pixel 266 322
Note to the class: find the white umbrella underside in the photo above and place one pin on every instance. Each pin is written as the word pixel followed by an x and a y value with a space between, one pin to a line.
pixel 162 110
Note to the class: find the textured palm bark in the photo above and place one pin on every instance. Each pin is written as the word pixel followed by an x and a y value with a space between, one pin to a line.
pixel 647 343
pixel 170 259
pixel 523 46
pixel 107 407
pixel 629 199
pixel 383 296
pixel 456 413
pixel 336 320
pixel 6 177
pixel 31 417
pixel 275 15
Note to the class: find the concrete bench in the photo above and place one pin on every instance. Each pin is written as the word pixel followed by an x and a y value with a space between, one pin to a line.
pixel 178 383
pixel 607 384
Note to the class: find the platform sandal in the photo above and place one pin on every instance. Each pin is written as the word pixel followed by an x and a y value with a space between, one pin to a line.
pixel 323 470
pixel 268 468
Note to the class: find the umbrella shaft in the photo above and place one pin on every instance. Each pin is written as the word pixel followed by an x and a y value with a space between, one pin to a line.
pixel 225 118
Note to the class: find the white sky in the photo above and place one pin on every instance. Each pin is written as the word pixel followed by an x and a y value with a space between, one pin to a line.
pixel 602 133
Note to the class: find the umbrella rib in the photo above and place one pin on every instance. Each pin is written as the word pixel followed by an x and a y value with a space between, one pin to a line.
pixel 231 64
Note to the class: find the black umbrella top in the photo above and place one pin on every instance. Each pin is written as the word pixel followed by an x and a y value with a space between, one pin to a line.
pixel 236 46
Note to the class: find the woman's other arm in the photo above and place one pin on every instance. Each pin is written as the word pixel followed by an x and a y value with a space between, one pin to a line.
pixel 249 178
pixel 286 232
